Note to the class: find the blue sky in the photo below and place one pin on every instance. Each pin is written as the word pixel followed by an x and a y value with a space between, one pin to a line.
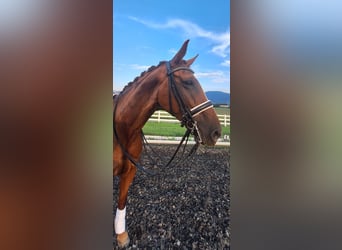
pixel 149 31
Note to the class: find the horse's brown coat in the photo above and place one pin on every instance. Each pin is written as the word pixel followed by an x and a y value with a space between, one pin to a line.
pixel 140 99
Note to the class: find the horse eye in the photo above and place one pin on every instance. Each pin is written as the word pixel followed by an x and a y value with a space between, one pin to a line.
pixel 188 82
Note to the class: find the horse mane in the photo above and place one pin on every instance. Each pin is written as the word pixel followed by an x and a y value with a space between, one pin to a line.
pixel 129 85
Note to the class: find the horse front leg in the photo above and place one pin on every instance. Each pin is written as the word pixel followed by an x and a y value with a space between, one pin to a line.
pixel 120 217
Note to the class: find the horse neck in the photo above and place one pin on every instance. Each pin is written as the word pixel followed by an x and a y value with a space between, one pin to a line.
pixel 139 102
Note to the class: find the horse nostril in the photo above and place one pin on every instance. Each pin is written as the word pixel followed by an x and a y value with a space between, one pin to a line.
pixel 215 134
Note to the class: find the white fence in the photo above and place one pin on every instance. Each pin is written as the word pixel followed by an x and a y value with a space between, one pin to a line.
pixel 163 116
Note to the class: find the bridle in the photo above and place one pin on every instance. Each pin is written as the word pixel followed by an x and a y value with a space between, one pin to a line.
pixel 187 114
pixel 187 119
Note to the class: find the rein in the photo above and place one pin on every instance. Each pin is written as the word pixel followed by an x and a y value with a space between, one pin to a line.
pixel 187 120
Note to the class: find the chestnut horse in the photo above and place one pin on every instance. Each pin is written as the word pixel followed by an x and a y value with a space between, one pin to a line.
pixel 170 86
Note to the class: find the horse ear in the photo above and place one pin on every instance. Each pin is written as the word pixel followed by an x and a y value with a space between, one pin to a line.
pixel 180 54
pixel 190 61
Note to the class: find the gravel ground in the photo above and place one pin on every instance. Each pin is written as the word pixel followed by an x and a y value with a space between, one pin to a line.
pixel 182 207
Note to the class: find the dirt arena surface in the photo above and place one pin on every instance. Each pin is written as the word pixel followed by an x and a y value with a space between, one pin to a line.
pixel 183 207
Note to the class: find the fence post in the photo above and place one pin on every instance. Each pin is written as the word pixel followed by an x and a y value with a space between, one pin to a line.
pixel 225 120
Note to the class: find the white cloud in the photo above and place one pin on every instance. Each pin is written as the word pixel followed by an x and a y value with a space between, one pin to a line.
pixel 221 40
pixel 209 74
pixel 215 76
pixel 139 67
pixel 226 63
pixel 172 51
pixel 223 48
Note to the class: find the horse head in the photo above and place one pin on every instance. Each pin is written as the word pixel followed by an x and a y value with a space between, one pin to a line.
pixel 182 96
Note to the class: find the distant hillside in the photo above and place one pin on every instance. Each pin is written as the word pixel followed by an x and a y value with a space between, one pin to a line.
pixel 218 97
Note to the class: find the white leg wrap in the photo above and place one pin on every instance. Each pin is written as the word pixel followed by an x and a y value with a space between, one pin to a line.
pixel 120 221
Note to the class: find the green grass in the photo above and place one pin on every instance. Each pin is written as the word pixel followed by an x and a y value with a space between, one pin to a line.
pixel 222 111
pixel 171 129
pixel 163 128
pixel 174 129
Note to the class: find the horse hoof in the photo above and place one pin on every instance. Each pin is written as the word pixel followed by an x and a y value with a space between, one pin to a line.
pixel 122 239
